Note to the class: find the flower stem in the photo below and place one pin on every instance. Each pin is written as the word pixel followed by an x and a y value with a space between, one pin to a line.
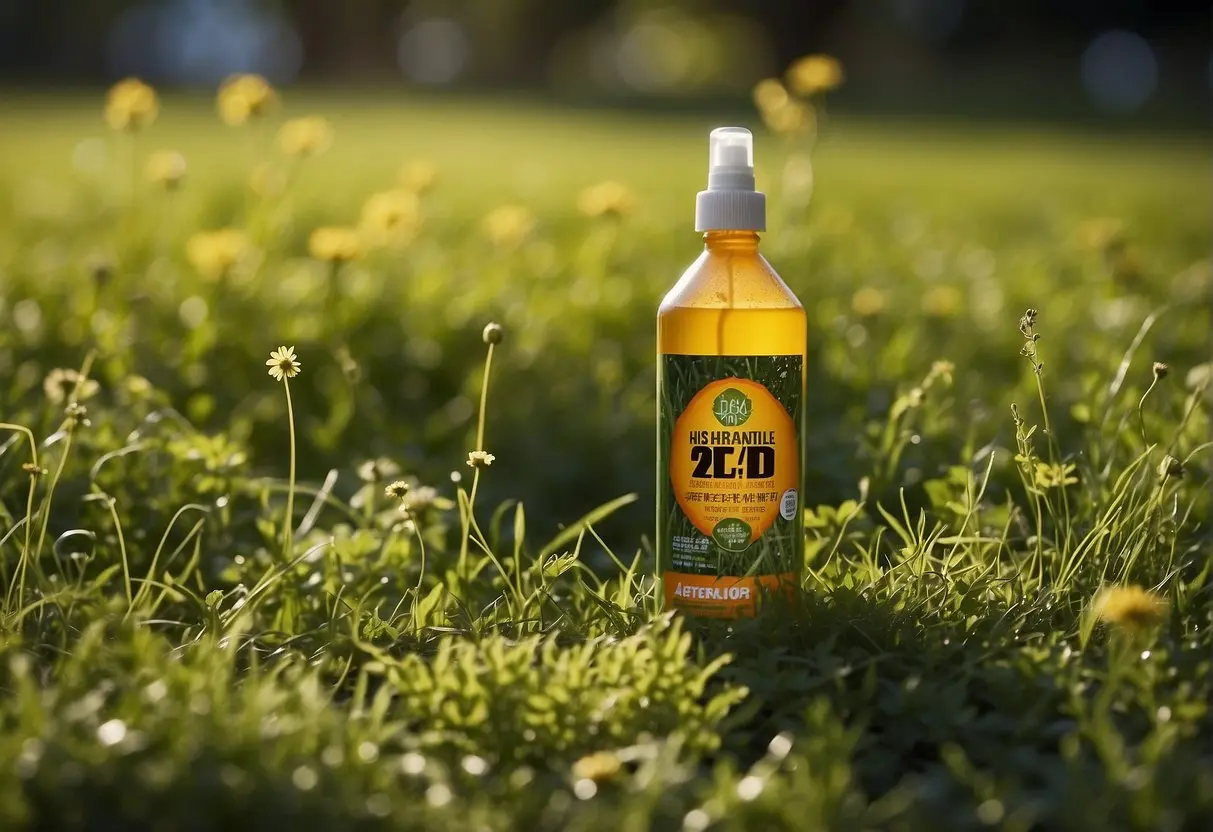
pixel 484 399
pixel 289 532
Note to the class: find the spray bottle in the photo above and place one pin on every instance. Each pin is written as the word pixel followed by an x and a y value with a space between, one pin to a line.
pixel 730 395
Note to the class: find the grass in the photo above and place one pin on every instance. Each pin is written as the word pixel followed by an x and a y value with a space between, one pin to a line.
pixel 216 617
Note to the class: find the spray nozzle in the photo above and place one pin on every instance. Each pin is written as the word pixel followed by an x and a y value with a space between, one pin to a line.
pixel 730 201
pixel 730 147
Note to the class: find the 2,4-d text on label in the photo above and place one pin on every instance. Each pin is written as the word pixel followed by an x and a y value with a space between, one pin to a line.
pixel 728 481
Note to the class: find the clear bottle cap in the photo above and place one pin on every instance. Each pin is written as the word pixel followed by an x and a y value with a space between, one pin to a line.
pixel 730 147
pixel 730 201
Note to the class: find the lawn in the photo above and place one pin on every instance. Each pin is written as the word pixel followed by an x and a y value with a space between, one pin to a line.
pixel 219 612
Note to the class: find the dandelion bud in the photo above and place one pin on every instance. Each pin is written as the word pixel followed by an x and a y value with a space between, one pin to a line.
pixel 493 333
pixel 1170 468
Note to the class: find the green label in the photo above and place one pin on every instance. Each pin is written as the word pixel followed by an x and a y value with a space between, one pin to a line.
pixel 729 481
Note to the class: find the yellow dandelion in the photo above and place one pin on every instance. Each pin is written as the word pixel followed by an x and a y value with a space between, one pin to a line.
pixel 769 94
pixel 130 106
pixel 790 119
pixel 283 364
pixel 942 301
pixel 335 244
pixel 606 199
pixel 215 253
pixel 390 216
pixel 480 459
pixel 418 176
pixel 306 136
pixel 508 225
pixel 597 767
pixel 1050 475
pixel 814 74
pixel 1130 607
pixel 397 490
pixel 244 97
pixel 166 168
pixel 868 302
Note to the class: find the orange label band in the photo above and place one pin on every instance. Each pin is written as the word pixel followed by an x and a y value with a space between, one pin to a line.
pixel 727 597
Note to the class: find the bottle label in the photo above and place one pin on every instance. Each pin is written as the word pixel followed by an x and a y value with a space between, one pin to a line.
pixel 729 509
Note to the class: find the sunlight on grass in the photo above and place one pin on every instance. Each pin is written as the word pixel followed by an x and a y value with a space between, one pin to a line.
pixel 410 586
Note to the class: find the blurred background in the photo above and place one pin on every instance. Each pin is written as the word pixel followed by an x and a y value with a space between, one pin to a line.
pixel 1076 59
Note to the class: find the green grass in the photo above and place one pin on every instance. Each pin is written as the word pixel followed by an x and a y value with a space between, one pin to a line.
pixel 169 663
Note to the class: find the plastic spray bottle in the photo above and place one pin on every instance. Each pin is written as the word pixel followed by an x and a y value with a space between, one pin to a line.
pixel 730 398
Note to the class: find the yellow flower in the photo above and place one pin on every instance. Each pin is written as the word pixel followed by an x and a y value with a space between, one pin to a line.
pixel 243 97
pixel 868 302
pixel 130 106
pixel 769 95
pixel 390 216
pixel 61 384
pixel 307 136
pixel 418 176
pixel 283 364
pixel 334 244
pixel 1049 475
pixel 942 301
pixel 508 225
pixel 598 767
pixel 214 253
pixel 940 370
pixel 397 490
pixel 814 73
pixel 480 459
pixel 606 199
pixel 1130 607
pixel 166 168
pixel 791 118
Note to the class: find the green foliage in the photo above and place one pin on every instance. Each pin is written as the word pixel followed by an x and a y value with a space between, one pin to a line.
pixel 221 613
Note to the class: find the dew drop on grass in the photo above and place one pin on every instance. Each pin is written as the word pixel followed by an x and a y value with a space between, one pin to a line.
pixel 75 543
